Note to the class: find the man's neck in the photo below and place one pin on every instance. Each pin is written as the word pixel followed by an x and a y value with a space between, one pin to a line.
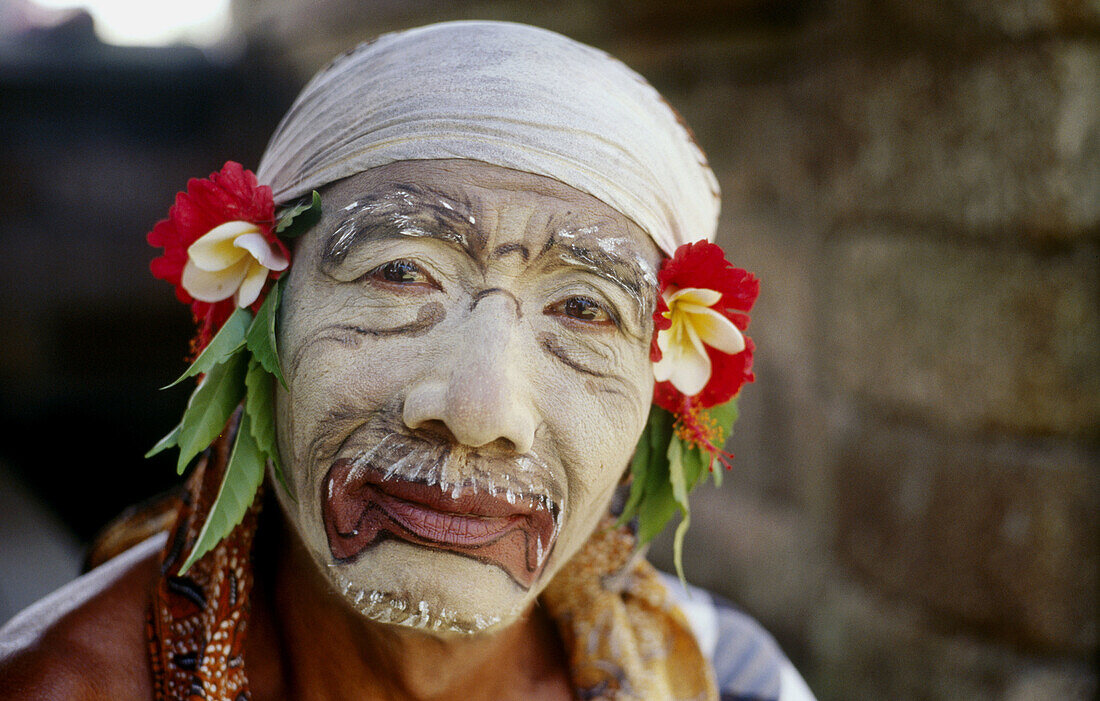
pixel 328 651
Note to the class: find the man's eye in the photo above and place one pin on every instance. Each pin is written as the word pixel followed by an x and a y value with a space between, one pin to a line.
pixel 582 308
pixel 401 272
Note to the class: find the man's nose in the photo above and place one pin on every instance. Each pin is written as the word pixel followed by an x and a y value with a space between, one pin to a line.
pixel 478 389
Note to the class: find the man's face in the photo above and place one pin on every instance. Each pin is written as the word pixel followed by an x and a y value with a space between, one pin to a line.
pixel 466 350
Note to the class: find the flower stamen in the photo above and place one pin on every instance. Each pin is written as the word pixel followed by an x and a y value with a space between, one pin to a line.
pixel 697 428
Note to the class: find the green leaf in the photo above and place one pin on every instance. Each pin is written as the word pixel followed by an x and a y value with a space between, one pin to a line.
pixel 680 489
pixel 658 503
pixel 665 471
pixel 676 470
pixel 649 460
pixel 225 343
pixel 638 465
pixel 209 408
pixel 696 465
pixel 678 546
pixel 725 415
pixel 657 508
pixel 165 443
pixel 243 475
pixel 297 220
pixel 259 403
pixel 260 338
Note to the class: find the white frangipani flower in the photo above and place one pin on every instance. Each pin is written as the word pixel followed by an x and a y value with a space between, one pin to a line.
pixel 232 259
pixel 684 361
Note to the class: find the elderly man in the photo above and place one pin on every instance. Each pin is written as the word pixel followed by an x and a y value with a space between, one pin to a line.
pixel 445 388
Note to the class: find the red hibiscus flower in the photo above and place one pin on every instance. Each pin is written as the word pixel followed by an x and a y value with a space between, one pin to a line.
pixel 230 195
pixel 698 350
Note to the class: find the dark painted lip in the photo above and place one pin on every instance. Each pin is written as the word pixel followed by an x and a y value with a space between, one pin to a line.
pixel 360 508
pixel 465 502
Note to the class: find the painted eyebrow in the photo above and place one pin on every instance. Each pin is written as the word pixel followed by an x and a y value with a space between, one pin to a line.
pixel 622 272
pixel 403 211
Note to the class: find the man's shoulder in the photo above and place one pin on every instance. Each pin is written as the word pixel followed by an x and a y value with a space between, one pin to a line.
pixel 87 639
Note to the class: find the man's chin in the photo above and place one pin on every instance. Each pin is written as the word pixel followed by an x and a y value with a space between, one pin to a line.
pixel 398 583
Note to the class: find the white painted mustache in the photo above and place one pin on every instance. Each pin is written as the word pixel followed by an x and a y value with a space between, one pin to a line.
pixel 459 469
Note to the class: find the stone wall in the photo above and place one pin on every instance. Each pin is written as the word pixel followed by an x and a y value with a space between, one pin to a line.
pixel 95 140
pixel 913 509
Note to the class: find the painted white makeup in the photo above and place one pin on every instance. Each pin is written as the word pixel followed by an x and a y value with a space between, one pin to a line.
pixel 467 355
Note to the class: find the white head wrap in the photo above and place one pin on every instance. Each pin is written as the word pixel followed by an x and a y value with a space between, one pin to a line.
pixel 506 94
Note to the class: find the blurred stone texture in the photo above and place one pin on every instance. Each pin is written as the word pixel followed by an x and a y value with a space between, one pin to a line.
pixel 913 509
pixel 95 141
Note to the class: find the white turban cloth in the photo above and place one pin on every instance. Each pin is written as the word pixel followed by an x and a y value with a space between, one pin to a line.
pixel 505 94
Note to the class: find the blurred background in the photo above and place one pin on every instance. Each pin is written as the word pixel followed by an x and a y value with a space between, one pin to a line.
pixel 913 509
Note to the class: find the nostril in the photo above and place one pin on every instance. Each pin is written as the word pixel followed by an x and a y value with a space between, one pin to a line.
pixel 437 430
pixel 501 446
pixel 473 404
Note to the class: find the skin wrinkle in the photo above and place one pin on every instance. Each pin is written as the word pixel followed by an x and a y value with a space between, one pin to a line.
pixel 345 338
pixel 615 269
pixel 426 318
pixel 479 375
pixel 430 314
pixel 341 422
pixel 594 387
pixel 549 344
pixel 590 345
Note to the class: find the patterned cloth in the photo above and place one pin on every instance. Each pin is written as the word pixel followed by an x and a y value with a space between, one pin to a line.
pixel 625 634
pixel 197 622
